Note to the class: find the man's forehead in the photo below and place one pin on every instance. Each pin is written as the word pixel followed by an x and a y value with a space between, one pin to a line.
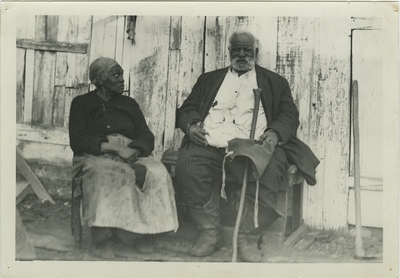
pixel 242 39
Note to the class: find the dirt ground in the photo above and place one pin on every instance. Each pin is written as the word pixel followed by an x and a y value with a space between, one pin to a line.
pixel 48 229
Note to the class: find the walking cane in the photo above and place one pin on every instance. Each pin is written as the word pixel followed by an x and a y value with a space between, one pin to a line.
pixel 257 98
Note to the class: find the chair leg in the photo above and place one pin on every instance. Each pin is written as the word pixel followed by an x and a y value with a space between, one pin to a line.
pixel 287 223
pixel 76 226
pixel 292 217
pixel 296 206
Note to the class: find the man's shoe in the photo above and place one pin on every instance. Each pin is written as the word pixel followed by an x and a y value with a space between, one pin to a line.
pixel 248 250
pixel 209 241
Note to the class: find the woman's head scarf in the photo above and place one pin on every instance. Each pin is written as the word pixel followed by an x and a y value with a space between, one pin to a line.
pixel 100 68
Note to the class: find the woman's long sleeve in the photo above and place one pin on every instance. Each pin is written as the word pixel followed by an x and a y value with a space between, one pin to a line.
pixel 80 140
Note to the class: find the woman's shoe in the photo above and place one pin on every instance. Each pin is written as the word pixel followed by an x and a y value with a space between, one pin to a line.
pixel 103 250
pixel 144 245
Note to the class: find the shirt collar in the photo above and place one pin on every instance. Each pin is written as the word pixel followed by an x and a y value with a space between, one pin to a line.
pixel 245 75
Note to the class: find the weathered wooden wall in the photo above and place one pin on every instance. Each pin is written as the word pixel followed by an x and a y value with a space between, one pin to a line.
pixel 314 54
pixel 163 64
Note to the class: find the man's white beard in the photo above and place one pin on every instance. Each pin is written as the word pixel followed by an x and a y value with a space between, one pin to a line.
pixel 243 66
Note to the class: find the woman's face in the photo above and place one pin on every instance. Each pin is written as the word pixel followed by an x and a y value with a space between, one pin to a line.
pixel 114 83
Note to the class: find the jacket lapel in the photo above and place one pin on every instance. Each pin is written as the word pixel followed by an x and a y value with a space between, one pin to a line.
pixel 266 93
pixel 213 88
pixel 216 84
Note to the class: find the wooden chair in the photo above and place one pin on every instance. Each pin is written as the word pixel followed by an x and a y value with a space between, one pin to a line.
pixel 288 202
pixel 76 226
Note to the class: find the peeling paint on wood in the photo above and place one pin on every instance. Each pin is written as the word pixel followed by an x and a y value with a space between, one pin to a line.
pixel 110 34
pixel 58 106
pixel 120 36
pixel 69 96
pixel 176 33
pixel 62 58
pixel 150 71
pixel 215 47
pixel 317 68
pixel 82 60
pixel 20 78
pixel 49 135
pixel 127 61
pixel 52 28
pixel 29 70
pixel 172 93
pixel 96 46
pixel 60 155
pixel 295 61
pixel 52 46
pixel 70 78
pixel 191 62
pixel 43 90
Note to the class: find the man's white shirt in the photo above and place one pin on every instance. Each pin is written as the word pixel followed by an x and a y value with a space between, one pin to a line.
pixel 231 112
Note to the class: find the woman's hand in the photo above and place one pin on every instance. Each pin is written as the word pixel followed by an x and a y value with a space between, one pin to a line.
pixel 128 154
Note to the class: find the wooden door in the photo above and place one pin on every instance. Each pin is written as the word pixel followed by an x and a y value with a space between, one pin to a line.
pixel 367 65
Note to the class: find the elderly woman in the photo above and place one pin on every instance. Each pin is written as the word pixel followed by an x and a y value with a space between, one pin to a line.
pixel 125 192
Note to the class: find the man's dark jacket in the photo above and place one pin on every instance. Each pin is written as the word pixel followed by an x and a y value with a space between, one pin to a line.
pixel 280 110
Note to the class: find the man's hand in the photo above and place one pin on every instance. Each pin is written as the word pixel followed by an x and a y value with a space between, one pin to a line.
pixel 128 154
pixel 269 137
pixel 197 134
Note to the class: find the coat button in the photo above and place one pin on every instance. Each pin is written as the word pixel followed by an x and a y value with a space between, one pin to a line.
pixel 108 126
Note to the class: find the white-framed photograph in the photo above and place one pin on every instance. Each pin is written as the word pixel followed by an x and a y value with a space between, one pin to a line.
pixel 192 139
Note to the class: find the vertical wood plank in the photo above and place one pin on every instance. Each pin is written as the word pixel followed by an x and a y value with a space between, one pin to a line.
pixel 110 32
pixel 69 95
pixel 314 55
pixel 191 61
pixel 62 57
pixel 326 203
pixel 121 36
pixel 126 62
pixel 20 78
pixel 52 28
pixel 82 60
pixel 172 93
pixel 43 89
pixel 29 70
pixel 43 97
pixel 337 73
pixel 295 61
pixel 22 26
pixel 149 73
pixel 192 46
pixel 59 106
pixel 96 46
pixel 70 79
pixel 215 43
pixel 58 93
pixel 173 80
pixel 176 33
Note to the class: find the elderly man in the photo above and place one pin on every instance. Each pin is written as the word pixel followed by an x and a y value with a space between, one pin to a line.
pixel 219 109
